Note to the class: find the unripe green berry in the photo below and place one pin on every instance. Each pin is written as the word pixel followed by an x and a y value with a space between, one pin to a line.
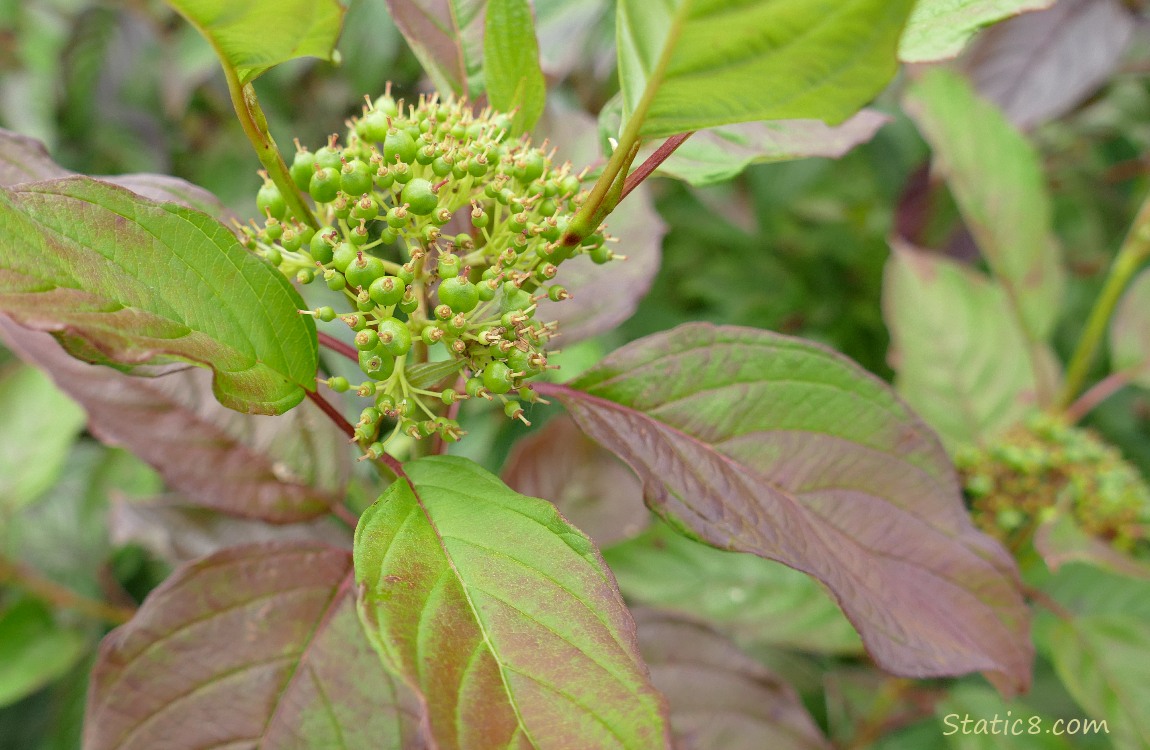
pixel 291 240
pixel 363 271
pixel 401 173
pixel 447 266
pixel 338 384
pixel 557 293
pixel 366 340
pixel 432 335
pixel 270 202
pixel 302 168
pixel 324 185
pixel 329 157
pixel 397 217
pixel 420 197
pixel 398 145
pixel 459 294
pixel 365 208
pixel 325 313
pixel 373 126
pixel 449 396
pixel 394 337
pixel 387 290
pixel 343 255
pixel 377 365
pixel 305 276
pixel 321 247
pixel 335 280
pixel 497 377
pixel 479 217
pixel 355 178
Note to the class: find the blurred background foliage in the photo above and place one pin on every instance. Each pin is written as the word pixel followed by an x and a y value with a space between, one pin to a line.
pixel 796 247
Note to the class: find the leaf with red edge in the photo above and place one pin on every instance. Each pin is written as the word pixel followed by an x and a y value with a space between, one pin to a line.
pixel 501 615
pixel 1040 65
pixel 128 280
pixel 763 443
pixel 591 487
pixel 447 39
pixel 255 646
pixel 280 469
pixel 719 696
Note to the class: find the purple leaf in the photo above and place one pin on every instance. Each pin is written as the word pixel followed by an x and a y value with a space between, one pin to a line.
pixel 1039 66
pixel 762 443
pixel 720 697
pixel 255 646
pixel 591 487
pixel 280 469
pixel 1060 540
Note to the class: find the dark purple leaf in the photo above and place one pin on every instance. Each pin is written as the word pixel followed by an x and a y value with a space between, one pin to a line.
pixel 24 159
pixel 1039 66
pixel 281 469
pixel 256 646
pixel 762 443
pixel 720 698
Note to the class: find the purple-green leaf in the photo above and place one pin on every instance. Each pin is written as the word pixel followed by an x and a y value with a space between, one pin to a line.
pixel 762 443
pixel 1039 66
pixel 281 469
pixel 720 698
pixel 123 278
pixel 996 178
pixel 447 39
pixel 501 615
pixel 1060 540
pixel 962 360
pixel 590 486
pixel 938 29
pixel 255 646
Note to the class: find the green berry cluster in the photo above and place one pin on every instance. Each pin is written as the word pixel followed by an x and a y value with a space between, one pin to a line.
pixel 394 202
pixel 1014 481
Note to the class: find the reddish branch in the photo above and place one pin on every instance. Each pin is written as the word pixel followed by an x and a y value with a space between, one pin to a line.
pixel 644 170
pixel 340 347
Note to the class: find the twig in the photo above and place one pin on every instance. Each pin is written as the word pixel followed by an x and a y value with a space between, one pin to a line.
pixel 652 162
pixel 1046 600
pixel 24 577
pixel 1099 392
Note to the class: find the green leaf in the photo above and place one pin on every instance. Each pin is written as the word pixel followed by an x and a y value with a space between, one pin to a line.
pixel 254 646
pixel 938 29
pixel 501 614
pixel 692 64
pixel 719 154
pixel 427 374
pixel 32 407
pixel 961 359
pixel 34 650
pixel 756 442
pixel 447 39
pixel 755 601
pixel 133 281
pixel 511 63
pixel 1130 331
pixel 967 713
pixel 996 178
pixel 1102 662
pixel 259 34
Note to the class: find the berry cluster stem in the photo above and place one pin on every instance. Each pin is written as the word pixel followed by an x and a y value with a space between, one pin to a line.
pixel 35 583
pixel 1134 252
pixel 251 117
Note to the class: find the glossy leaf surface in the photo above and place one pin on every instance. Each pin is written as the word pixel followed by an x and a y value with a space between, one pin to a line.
pixel 752 600
pixel 259 34
pixel 133 281
pixel 511 71
pixel 255 646
pixel 997 180
pixel 761 443
pixel 938 29
pixel 720 697
pixel 281 469
pixel 501 615
pixel 961 360
pixel 703 63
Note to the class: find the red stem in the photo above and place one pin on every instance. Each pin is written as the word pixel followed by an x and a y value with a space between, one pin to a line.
pixel 1098 393
pixel 338 510
pixel 644 170
pixel 340 347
